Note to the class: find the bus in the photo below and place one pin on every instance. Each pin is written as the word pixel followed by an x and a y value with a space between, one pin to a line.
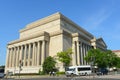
pixel 78 70
pixel 1 72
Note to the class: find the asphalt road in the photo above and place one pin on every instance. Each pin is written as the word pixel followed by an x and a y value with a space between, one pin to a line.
pixel 70 79
pixel 104 77
pixel 63 78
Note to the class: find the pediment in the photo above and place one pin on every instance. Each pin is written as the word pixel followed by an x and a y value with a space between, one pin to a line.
pixel 101 42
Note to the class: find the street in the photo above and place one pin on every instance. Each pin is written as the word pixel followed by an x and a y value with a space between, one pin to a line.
pixel 64 79
pixel 106 77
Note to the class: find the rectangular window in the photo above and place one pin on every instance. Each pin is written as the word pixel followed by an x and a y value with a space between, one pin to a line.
pixel 84 69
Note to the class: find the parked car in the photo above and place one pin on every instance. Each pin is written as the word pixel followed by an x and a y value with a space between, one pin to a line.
pixel 102 71
pixel 2 73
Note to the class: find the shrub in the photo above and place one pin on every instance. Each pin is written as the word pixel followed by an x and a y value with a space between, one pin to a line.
pixel 41 72
pixel 60 73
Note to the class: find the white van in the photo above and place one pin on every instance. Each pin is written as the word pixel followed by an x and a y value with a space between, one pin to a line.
pixel 78 70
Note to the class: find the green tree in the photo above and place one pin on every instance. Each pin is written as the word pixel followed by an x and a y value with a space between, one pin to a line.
pixel 49 64
pixel 113 59
pixel 118 62
pixel 65 57
pixel 2 66
pixel 102 59
pixel 95 57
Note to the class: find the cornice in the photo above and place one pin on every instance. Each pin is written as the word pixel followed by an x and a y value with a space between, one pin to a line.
pixel 102 41
pixel 81 36
pixel 77 26
pixel 60 32
pixel 93 40
pixel 30 37
pixel 98 43
pixel 54 17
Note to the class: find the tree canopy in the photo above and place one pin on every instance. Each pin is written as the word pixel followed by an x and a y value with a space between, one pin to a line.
pixel 49 64
pixel 102 59
pixel 65 57
pixel 2 66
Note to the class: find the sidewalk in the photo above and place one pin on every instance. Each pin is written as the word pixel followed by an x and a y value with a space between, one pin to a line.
pixel 34 76
pixel 115 76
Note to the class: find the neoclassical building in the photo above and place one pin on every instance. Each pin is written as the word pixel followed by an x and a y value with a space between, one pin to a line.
pixel 117 52
pixel 46 37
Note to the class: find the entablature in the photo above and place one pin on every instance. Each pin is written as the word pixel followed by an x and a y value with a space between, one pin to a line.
pixel 44 34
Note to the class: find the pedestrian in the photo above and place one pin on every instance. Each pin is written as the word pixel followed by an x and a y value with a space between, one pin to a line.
pixel 50 73
pixel 53 73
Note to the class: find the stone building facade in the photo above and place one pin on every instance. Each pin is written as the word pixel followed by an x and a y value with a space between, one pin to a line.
pixel 46 37
pixel 117 52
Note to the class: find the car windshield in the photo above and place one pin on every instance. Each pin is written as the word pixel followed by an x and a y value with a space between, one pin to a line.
pixel 70 69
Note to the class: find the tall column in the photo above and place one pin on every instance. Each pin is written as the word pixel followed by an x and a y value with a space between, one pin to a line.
pixel 18 56
pixel 29 49
pixel 13 57
pixel 33 54
pixel 25 54
pixel 78 54
pixel 43 52
pixel 7 58
pixel 82 53
pixel 85 53
pixel 10 57
pixel 73 55
pixel 17 53
pixel 14 60
pixel 38 53
pixel 47 48
pixel 21 50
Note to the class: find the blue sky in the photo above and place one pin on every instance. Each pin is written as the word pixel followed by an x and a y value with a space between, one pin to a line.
pixel 99 17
